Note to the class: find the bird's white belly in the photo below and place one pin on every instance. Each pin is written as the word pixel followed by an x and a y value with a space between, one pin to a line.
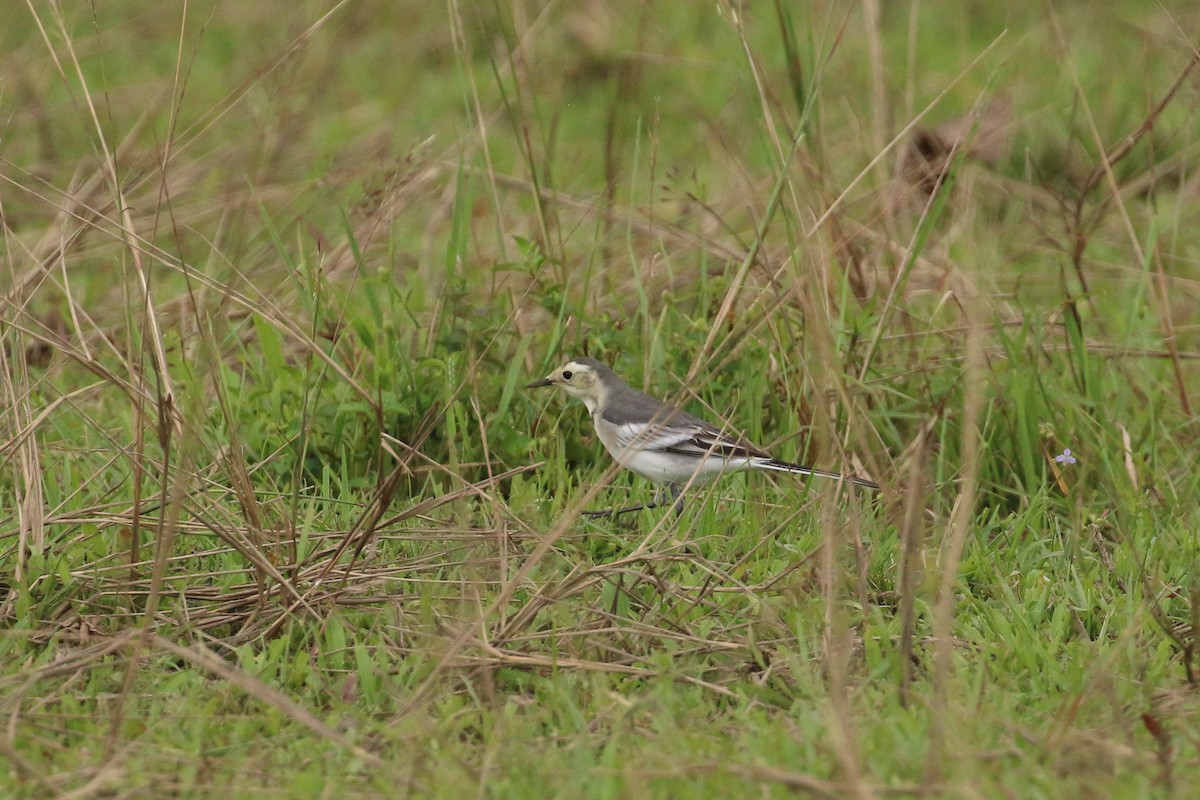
pixel 663 467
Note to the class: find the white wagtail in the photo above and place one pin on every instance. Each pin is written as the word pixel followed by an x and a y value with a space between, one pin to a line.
pixel 660 442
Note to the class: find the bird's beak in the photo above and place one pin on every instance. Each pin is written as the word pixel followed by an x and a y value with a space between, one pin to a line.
pixel 542 382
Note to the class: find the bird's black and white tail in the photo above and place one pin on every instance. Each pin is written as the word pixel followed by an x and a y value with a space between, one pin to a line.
pixel 783 466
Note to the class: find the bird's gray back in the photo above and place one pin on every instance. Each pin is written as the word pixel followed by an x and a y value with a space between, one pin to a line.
pixel 626 405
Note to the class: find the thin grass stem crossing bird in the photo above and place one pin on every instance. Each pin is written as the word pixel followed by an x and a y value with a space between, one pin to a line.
pixel 665 444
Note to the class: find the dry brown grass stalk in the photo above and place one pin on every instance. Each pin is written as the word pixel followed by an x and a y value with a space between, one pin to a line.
pixel 912 553
pixel 953 542
pixel 22 443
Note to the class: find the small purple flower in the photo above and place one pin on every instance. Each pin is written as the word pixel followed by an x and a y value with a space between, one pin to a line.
pixel 1065 457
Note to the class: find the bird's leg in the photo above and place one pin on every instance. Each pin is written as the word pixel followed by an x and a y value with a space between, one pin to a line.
pixel 676 499
pixel 655 503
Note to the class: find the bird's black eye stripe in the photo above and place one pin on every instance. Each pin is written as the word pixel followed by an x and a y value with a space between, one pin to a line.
pixel 567 375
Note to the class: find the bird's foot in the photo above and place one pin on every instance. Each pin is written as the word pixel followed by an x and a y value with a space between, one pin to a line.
pixel 610 513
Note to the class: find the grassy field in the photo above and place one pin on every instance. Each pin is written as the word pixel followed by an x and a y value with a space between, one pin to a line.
pixel 278 520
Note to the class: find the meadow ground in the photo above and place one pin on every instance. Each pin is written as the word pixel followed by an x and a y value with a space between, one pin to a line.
pixel 277 520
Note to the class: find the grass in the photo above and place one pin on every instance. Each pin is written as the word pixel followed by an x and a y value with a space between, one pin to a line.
pixel 279 521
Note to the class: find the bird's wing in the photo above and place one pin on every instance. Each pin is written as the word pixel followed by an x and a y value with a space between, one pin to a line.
pixel 650 436
pixel 690 439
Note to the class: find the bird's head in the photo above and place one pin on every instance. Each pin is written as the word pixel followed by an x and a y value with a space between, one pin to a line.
pixel 585 378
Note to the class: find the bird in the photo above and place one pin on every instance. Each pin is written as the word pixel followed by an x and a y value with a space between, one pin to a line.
pixel 661 442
